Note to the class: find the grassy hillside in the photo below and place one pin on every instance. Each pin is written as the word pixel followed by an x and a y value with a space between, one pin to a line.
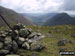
pixel 12 17
pixel 53 35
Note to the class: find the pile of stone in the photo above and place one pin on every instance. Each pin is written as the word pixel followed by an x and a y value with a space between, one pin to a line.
pixel 20 38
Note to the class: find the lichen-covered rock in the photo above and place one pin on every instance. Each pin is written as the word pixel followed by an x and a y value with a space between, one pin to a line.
pixel 4 52
pixel 62 42
pixel 25 45
pixel 12 55
pixel 23 32
pixel 1 45
pixel 37 46
pixel 20 40
pixel 8 40
pixel 14 47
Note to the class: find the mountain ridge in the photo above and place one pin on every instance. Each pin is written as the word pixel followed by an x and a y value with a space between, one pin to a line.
pixel 60 19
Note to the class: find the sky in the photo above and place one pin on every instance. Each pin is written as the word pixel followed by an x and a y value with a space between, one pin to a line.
pixel 40 6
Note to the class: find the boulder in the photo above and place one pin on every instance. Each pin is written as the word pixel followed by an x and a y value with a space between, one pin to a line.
pixel 62 42
pixel 20 41
pixel 12 55
pixel 37 46
pixel 14 47
pixel 35 54
pixel 8 40
pixel 25 45
pixel 4 52
pixel 1 45
pixel 23 32
pixel 8 47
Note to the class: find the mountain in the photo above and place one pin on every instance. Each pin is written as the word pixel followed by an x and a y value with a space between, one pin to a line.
pixel 60 19
pixel 12 17
pixel 38 18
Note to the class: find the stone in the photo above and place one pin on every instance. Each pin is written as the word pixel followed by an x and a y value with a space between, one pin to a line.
pixel 14 47
pixel 37 46
pixel 12 55
pixel 20 41
pixel 23 32
pixel 2 38
pixel 1 45
pixel 39 34
pixel 8 47
pixel 70 41
pixel 25 45
pixel 35 54
pixel 62 49
pixel 62 42
pixel 8 40
pixel 30 30
pixel 4 52
pixel 32 35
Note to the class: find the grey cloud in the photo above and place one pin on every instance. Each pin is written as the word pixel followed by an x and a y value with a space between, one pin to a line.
pixel 68 5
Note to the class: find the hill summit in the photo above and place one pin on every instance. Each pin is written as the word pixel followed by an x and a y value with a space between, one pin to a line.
pixel 60 19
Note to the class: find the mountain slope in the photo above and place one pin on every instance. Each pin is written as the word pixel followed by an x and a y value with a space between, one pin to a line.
pixel 12 17
pixel 60 19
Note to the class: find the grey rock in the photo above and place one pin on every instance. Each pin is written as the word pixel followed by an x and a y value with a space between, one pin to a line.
pixel 8 40
pixel 25 45
pixel 32 35
pixel 62 42
pixel 1 45
pixel 70 41
pixel 14 47
pixel 8 47
pixel 4 52
pixel 12 55
pixel 37 46
pixel 20 41
pixel 23 32
pixel 62 49
pixel 35 54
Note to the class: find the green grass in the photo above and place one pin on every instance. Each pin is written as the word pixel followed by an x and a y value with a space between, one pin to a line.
pixel 56 33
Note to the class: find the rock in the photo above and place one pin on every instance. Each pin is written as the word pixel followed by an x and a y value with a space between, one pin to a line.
pixel 2 39
pixel 30 31
pixel 23 32
pixel 35 54
pixel 4 52
pixel 70 41
pixel 62 49
pixel 14 47
pixel 62 42
pixel 25 45
pixel 8 40
pixel 8 47
pixel 20 41
pixel 32 35
pixel 1 45
pixel 17 27
pixel 12 55
pixel 37 46
pixel 39 34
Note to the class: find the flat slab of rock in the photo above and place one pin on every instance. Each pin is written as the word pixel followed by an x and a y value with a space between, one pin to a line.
pixel 12 55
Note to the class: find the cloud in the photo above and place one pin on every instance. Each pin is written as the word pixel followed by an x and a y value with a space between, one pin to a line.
pixel 32 6
pixel 68 5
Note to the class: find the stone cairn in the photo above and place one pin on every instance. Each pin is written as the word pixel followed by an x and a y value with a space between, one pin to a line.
pixel 20 38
